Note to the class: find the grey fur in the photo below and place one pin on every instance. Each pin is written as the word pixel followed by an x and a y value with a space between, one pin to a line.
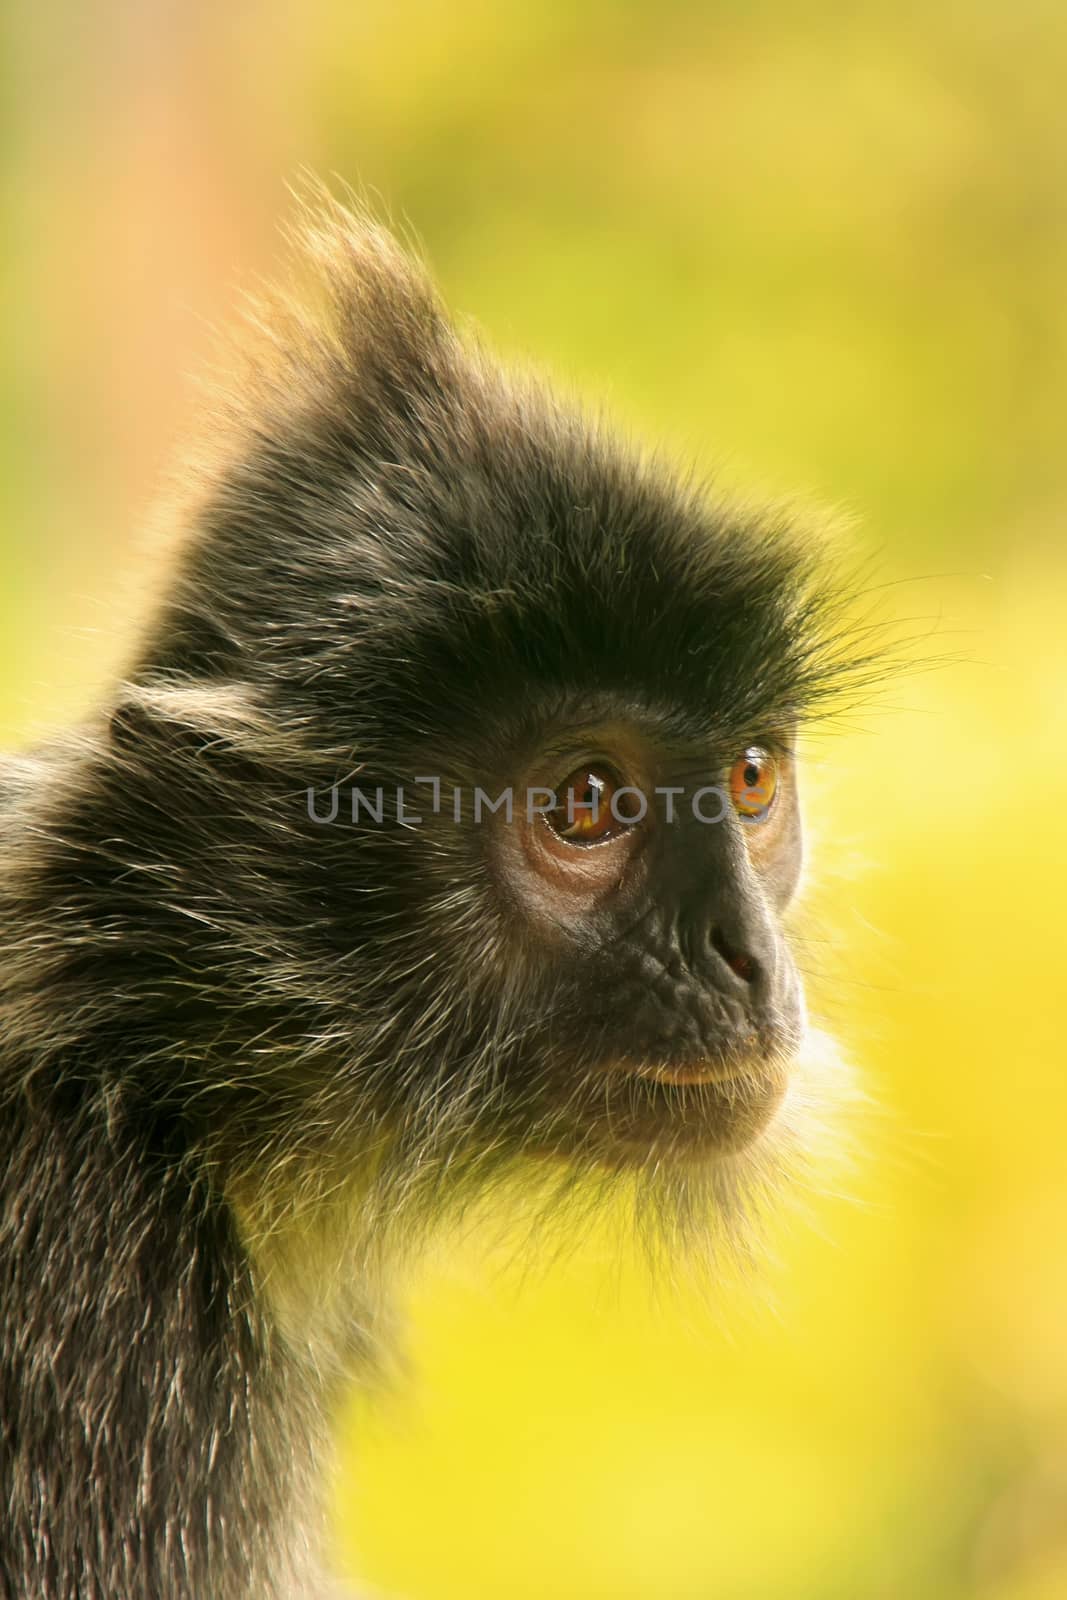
pixel 244 1060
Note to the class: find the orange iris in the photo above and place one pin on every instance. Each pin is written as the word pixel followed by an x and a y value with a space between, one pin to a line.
pixel 754 782
pixel 584 814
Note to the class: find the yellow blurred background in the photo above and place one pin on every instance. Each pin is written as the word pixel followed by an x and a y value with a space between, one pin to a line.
pixel 821 247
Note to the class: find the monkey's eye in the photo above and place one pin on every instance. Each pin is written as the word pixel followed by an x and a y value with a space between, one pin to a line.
pixel 590 808
pixel 754 782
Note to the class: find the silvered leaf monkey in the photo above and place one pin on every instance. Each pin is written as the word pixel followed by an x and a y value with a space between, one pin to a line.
pixel 440 832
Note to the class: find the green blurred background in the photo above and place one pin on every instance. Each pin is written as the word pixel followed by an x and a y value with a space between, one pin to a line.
pixel 821 248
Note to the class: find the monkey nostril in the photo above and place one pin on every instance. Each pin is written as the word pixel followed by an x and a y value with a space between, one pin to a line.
pixel 739 961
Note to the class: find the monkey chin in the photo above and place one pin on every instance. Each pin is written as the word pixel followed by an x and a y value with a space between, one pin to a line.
pixel 698 1107
pixel 676 1113
pixel 699 1110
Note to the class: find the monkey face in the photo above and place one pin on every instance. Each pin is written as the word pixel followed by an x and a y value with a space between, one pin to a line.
pixel 598 904
pixel 642 887
pixel 629 991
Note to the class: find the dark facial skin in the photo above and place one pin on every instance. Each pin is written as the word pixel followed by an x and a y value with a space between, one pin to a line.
pixel 677 1003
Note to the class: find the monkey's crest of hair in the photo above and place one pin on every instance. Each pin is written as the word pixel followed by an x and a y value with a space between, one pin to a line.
pixel 399 561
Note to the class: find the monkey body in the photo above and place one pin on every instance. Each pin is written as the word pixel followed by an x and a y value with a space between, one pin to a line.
pixel 246 1054
pixel 147 1449
pixel 154 1436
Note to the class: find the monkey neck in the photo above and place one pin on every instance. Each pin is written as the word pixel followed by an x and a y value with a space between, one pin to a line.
pixel 157 1421
pixel 147 1401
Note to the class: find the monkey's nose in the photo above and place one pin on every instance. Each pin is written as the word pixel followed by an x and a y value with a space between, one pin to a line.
pixel 739 961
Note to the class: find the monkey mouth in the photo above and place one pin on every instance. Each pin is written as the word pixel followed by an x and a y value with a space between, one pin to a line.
pixel 749 1057
pixel 695 1108
pixel 697 1072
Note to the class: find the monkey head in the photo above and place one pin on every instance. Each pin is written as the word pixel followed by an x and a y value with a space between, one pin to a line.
pixel 454 791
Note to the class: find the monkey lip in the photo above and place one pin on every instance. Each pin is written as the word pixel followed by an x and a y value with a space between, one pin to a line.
pixel 744 1061
pixel 694 1072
